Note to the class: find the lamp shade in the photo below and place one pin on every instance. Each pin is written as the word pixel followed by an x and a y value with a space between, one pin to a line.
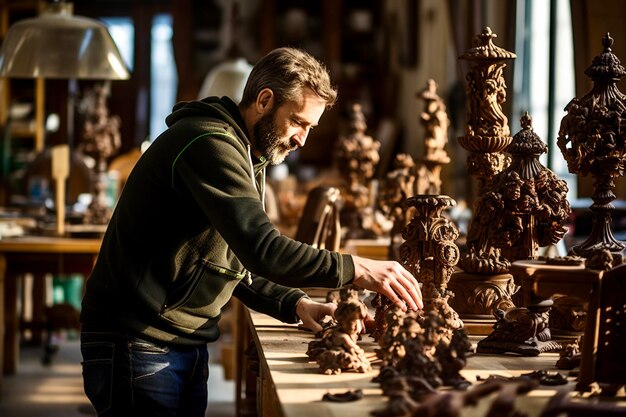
pixel 226 79
pixel 57 44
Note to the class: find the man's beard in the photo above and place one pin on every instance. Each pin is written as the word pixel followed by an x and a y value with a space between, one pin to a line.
pixel 274 148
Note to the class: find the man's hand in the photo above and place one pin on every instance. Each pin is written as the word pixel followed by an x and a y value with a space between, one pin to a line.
pixel 311 312
pixel 390 279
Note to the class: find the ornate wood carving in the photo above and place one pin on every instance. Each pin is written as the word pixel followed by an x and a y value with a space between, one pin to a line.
pixel 592 138
pixel 487 135
pixel 482 295
pixel 429 251
pixel 101 140
pixel 399 185
pixel 409 178
pixel 357 157
pixel 337 349
pixel 435 121
pixel 522 207
pixel 484 283
pixel 521 330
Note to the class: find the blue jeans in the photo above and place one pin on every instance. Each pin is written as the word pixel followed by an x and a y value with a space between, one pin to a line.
pixel 125 376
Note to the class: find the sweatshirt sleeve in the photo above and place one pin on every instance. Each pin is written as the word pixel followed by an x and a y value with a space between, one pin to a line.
pixel 269 298
pixel 216 171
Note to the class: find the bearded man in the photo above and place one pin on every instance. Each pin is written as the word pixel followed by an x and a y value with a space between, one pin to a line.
pixel 189 231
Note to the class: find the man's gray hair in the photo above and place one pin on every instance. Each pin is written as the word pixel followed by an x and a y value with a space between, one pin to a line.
pixel 287 71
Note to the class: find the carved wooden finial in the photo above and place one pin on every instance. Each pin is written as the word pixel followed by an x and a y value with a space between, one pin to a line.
pixel 606 66
pixel 485 49
pixel 486 36
pixel 526 121
pixel 607 42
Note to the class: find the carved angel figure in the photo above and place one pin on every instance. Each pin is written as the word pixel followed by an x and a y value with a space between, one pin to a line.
pixel 338 349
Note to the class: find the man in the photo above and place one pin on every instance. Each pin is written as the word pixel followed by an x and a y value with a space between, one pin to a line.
pixel 189 231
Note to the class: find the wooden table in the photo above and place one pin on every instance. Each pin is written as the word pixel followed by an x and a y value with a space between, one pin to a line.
pixel 542 280
pixel 291 386
pixel 38 256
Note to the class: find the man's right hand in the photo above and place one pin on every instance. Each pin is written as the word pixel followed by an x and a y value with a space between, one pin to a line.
pixel 390 279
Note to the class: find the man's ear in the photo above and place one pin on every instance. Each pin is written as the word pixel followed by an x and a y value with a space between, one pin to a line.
pixel 264 100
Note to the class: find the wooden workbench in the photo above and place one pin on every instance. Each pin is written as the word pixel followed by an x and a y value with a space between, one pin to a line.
pixel 291 386
pixel 37 255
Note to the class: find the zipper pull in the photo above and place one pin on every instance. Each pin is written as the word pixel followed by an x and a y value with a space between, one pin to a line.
pixel 248 278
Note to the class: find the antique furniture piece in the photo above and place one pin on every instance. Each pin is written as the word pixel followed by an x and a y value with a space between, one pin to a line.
pixel 592 139
pixel 539 279
pixel 38 256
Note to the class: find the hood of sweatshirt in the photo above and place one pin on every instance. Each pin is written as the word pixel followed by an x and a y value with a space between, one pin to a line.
pixel 222 108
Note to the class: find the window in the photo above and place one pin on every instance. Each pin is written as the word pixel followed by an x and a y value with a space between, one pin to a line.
pixel 122 31
pixel 163 78
pixel 544 75
pixel 164 81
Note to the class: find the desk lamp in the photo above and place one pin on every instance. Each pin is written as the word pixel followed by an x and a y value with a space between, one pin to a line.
pixel 59 45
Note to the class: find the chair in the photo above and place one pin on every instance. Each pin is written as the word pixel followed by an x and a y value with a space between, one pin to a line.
pixel 609 369
pixel 319 225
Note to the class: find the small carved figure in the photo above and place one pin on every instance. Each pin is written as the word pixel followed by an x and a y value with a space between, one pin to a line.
pixel 600 259
pixel 520 330
pixel 338 349
pixel 453 358
pixel 568 314
pixel 391 347
pixel 381 305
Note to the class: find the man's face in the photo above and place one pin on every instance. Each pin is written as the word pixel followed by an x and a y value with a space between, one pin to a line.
pixel 285 128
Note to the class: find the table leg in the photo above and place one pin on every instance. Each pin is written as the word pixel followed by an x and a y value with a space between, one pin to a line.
pixel 39 308
pixel 11 324
pixel 590 339
pixel 3 269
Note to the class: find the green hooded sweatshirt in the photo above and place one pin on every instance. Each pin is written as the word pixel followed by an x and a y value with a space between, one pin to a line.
pixel 186 230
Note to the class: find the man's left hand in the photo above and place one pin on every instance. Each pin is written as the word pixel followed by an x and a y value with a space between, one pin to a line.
pixel 311 313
